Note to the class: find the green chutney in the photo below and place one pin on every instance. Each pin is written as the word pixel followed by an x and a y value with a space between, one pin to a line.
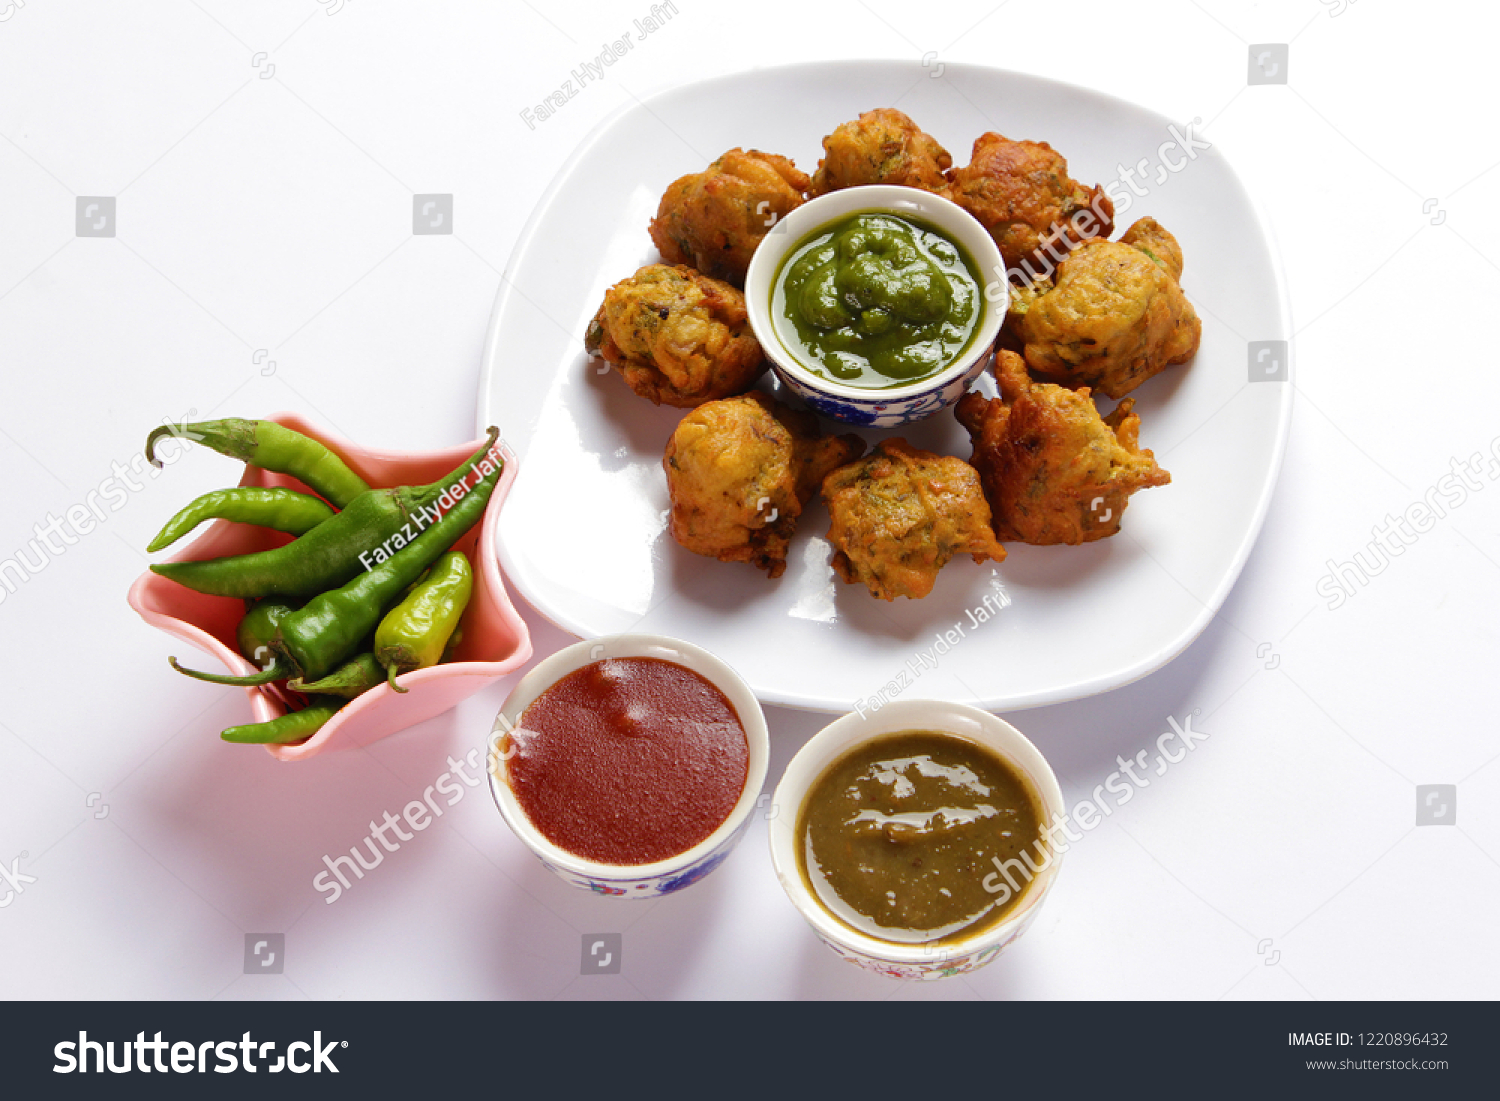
pixel 901 838
pixel 876 300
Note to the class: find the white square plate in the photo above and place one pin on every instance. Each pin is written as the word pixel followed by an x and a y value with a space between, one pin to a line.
pixel 583 536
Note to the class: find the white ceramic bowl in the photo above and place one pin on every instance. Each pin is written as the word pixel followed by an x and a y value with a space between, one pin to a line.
pixel 911 961
pixel 632 880
pixel 899 404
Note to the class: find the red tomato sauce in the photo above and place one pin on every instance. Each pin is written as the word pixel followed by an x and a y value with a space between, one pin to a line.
pixel 629 760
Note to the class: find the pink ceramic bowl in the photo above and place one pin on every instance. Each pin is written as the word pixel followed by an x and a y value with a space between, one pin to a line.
pixel 495 639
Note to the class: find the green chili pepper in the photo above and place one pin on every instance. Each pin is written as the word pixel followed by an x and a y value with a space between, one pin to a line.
pixel 270 507
pixel 353 678
pixel 277 670
pixel 366 532
pixel 258 626
pixel 253 637
pixel 270 446
pixel 322 635
pixel 294 726
pixel 413 633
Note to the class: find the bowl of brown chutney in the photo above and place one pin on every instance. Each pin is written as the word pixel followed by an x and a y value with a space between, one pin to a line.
pixel 915 840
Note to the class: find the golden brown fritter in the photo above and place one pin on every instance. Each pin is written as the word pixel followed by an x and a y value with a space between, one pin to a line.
pixel 1113 317
pixel 1054 471
pixel 677 337
pixel 740 471
pixel 1021 193
pixel 1152 238
pixel 714 219
pixel 900 514
pixel 881 147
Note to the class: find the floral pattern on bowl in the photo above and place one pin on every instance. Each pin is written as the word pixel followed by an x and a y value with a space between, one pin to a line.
pixel 495 640
pixel 889 412
pixel 652 886
pixel 939 967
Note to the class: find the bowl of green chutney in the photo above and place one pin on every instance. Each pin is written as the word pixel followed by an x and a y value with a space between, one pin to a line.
pixel 877 305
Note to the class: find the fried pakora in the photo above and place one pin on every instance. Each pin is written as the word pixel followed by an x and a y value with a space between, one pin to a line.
pixel 900 514
pixel 1114 315
pixel 1152 238
pixel 1054 471
pixel 740 471
pixel 713 219
pixel 1022 194
pixel 881 147
pixel 677 336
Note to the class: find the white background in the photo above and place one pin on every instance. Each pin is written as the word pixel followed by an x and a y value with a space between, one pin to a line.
pixel 270 208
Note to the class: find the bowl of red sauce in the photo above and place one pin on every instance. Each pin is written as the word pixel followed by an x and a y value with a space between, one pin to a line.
pixel 629 764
